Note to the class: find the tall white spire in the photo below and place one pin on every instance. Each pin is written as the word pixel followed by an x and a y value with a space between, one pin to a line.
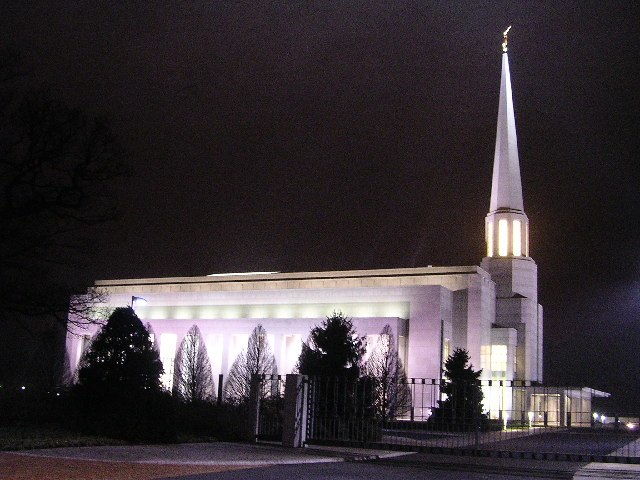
pixel 506 188
pixel 507 226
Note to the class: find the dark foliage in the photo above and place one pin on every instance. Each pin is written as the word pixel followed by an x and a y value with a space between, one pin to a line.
pixel 121 357
pixel 333 349
pixel 344 406
pixel 119 392
pixel 56 167
pixel 462 407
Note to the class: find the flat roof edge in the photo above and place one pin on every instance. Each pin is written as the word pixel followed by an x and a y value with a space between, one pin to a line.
pixel 327 275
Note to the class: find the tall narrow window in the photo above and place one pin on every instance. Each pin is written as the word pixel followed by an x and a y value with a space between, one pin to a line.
pixel 517 238
pixel 503 238
pixel 490 239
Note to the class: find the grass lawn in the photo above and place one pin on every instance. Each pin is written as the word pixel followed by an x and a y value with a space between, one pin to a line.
pixel 48 436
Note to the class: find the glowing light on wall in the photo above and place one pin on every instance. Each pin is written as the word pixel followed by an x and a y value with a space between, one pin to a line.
pixel 291 348
pixel 167 356
pixel 498 358
pixel 517 238
pixel 503 238
pixel 490 239
pixel 214 349
pixel 238 343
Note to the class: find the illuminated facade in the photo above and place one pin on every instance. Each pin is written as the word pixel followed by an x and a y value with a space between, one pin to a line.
pixel 490 310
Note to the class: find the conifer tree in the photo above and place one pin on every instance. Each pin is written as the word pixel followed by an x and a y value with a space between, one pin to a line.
pixel 121 357
pixel 462 406
pixel 333 349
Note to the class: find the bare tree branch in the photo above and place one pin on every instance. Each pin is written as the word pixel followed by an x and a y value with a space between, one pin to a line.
pixel 257 359
pixel 392 396
pixel 56 168
pixel 192 377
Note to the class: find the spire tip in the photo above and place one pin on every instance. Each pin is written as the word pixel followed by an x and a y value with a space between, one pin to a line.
pixel 504 39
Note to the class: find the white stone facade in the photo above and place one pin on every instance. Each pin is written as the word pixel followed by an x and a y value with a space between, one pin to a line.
pixel 492 311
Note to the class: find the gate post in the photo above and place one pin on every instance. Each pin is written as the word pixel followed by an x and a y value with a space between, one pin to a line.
pixel 294 420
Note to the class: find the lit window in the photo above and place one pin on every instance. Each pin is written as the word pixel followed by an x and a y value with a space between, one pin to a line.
pixel 499 358
pixel 485 357
pixel 517 238
pixel 490 239
pixel 503 238
pixel 446 349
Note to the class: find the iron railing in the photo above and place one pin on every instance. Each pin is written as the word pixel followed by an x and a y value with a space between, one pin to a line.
pixel 488 416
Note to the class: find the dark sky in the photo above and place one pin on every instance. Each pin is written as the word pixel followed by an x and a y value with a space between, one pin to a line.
pixel 301 136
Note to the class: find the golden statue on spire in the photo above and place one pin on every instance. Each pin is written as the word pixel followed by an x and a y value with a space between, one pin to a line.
pixel 504 39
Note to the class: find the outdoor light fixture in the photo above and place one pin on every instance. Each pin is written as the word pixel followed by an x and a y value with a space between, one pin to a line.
pixel 138 301
pixel 595 416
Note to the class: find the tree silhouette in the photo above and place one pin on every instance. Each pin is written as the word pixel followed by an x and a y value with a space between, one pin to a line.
pixel 333 349
pixel 392 396
pixel 462 406
pixel 121 357
pixel 56 167
pixel 119 392
pixel 192 377
pixel 256 360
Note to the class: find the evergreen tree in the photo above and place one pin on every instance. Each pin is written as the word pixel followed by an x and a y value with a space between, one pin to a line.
pixel 119 392
pixel 256 360
pixel 392 396
pixel 462 406
pixel 192 377
pixel 333 349
pixel 121 356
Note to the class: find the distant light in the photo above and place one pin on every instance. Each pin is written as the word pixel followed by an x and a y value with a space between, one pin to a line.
pixel 603 418
pixel 23 387
pixel 57 394
pixel 595 416
pixel 631 426
pixel 239 274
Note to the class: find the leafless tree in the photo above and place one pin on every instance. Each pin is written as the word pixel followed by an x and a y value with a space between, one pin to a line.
pixel 256 360
pixel 56 166
pixel 192 377
pixel 392 396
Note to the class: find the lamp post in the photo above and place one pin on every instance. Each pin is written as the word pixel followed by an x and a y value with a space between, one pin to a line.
pixel 137 300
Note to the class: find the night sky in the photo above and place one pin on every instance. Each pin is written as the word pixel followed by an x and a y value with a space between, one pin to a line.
pixel 305 136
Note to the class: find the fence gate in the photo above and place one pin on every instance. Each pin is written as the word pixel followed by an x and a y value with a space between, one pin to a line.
pixel 269 399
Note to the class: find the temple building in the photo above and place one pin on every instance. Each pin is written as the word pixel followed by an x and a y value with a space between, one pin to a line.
pixel 491 310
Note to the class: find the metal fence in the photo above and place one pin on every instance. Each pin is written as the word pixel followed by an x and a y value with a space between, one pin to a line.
pixel 487 417
pixel 270 407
